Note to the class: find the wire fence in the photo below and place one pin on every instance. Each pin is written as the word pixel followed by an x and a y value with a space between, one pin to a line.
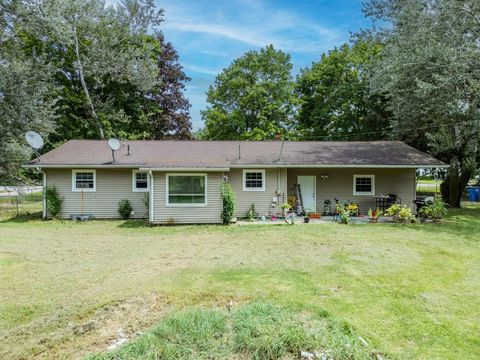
pixel 20 202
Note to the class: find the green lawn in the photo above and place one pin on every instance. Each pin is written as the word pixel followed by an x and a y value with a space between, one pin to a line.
pixel 66 289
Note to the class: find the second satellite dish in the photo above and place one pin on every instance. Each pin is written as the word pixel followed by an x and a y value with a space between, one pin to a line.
pixel 34 139
pixel 114 144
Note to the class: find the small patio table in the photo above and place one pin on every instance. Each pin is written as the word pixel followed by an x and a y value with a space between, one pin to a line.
pixel 382 202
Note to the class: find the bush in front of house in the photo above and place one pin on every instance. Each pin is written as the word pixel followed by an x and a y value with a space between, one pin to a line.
pixel 229 201
pixel 125 209
pixel 54 201
pixel 251 213
pixel 343 214
pixel 400 213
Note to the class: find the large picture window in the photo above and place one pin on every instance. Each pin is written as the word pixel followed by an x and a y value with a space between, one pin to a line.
pixel 83 180
pixel 140 181
pixel 363 184
pixel 186 189
pixel 253 180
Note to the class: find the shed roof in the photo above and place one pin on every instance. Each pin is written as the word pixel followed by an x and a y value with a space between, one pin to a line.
pixel 172 154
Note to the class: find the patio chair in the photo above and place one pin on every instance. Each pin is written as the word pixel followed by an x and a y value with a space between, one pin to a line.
pixel 393 199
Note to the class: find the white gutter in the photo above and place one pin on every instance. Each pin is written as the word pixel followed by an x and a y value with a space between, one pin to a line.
pixel 44 197
pixel 253 166
pixel 80 166
pixel 340 166
pixel 183 169
pixel 150 202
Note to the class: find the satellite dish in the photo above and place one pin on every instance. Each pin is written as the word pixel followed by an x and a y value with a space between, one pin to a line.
pixel 114 144
pixel 34 139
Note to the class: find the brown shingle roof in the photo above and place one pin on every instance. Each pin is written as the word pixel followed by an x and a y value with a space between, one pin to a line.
pixel 225 154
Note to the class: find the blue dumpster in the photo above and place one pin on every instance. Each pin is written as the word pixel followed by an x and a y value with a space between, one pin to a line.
pixel 473 193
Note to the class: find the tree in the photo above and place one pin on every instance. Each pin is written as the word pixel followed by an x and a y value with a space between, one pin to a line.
pixel 25 103
pixel 251 99
pixel 80 69
pixel 429 71
pixel 174 117
pixel 335 101
pixel 96 48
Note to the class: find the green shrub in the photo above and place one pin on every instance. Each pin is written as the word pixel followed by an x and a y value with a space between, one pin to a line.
pixel 251 213
pixel 400 213
pixel 438 208
pixel 343 213
pixel 125 209
pixel 54 201
pixel 229 202
pixel 146 202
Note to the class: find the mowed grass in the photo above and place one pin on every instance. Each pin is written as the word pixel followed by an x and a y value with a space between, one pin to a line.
pixel 69 289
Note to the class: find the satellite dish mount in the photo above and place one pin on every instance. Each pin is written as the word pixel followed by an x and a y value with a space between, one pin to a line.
pixel 35 140
pixel 114 146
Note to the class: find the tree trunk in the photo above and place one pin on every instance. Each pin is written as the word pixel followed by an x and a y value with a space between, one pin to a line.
pixel 84 85
pixel 454 185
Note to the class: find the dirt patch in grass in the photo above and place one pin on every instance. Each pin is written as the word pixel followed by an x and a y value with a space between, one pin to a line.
pixel 93 331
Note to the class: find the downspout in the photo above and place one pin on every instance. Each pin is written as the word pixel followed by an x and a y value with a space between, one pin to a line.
pixel 150 202
pixel 44 197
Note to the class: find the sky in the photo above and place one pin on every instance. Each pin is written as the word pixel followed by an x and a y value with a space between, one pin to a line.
pixel 210 34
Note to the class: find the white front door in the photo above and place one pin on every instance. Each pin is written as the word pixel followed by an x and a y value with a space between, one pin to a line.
pixel 309 193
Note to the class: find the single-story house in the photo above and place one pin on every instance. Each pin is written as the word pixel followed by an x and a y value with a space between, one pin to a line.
pixel 171 181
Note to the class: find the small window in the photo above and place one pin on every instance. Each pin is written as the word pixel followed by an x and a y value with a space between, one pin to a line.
pixel 83 180
pixel 187 190
pixel 140 181
pixel 364 185
pixel 253 180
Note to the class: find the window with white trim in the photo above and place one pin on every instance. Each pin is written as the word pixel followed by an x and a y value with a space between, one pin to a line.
pixel 140 181
pixel 363 184
pixel 253 180
pixel 83 180
pixel 186 189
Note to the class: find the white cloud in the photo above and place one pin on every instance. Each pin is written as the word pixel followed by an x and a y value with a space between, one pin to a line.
pixel 212 29
pixel 254 23
pixel 200 69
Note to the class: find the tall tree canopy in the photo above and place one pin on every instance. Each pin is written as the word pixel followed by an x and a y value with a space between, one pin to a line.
pixel 174 117
pixel 335 101
pixel 251 99
pixel 429 69
pixel 86 70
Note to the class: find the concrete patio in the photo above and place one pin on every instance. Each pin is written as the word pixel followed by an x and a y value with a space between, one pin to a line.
pixel 362 219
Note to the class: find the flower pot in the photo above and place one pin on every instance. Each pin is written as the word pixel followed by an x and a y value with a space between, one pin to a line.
pixel 306 220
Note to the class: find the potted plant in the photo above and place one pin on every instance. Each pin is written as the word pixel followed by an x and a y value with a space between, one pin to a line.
pixel 306 218
pixel 373 215
pixel 343 214
pixel 438 209
pixel 399 213
pixel 285 208
pixel 424 213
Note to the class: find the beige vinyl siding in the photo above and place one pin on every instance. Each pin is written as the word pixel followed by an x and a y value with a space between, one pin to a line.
pixel 275 179
pixel 112 185
pixel 340 185
pixel 211 213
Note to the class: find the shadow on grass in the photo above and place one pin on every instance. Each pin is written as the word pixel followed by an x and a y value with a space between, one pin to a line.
pixel 23 218
pixel 134 224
